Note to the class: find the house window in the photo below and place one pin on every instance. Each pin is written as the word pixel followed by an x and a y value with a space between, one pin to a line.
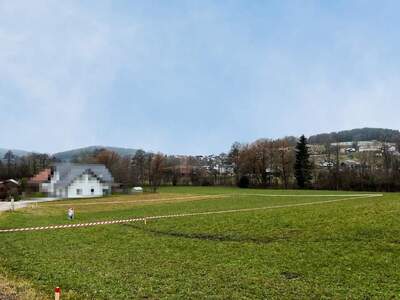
pixel 79 191
pixel 92 191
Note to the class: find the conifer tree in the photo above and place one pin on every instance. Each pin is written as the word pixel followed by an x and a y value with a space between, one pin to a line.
pixel 303 165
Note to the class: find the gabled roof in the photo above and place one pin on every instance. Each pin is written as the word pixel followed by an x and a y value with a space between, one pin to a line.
pixel 10 181
pixel 43 176
pixel 69 172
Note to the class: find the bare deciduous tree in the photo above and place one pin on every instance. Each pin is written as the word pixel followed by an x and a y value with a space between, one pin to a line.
pixel 156 170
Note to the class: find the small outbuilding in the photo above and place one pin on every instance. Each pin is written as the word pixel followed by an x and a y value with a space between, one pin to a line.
pixel 8 188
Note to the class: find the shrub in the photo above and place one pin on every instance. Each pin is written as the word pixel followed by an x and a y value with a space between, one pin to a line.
pixel 244 182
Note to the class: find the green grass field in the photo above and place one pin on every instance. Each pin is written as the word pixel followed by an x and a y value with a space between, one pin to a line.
pixel 349 249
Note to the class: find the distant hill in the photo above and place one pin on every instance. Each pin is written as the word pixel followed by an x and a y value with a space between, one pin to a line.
pixel 361 134
pixel 354 135
pixel 69 155
pixel 14 151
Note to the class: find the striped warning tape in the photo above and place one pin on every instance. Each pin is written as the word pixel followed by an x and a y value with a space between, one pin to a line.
pixel 308 196
pixel 144 219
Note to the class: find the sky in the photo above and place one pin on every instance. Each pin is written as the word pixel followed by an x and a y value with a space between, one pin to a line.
pixel 192 77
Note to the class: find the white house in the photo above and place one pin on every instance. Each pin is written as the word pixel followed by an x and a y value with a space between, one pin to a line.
pixel 70 180
pixel 369 146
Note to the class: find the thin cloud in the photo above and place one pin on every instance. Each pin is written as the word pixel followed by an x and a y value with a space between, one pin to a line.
pixel 191 77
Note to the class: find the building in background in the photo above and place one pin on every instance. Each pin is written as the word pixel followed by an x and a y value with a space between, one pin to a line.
pixel 35 183
pixel 8 188
pixel 69 180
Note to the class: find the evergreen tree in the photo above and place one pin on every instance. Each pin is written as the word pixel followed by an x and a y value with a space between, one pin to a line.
pixel 234 158
pixel 302 165
pixel 9 157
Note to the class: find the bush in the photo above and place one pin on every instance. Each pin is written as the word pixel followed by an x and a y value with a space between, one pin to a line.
pixel 206 182
pixel 15 195
pixel 244 182
pixel 37 195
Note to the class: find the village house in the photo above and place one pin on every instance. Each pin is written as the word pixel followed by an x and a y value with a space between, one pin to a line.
pixel 8 188
pixel 35 183
pixel 370 146
pixel 69 180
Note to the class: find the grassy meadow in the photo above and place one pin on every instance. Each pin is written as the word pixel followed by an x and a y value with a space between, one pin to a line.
pixel 348 249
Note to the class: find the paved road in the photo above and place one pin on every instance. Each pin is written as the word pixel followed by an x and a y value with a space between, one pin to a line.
pixel 4 206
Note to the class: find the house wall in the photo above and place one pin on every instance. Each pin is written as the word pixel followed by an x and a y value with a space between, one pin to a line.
pixel 86 183
pixel 60 193
pixel 48 187
pixel 3 191
pixel 54 179
pixel 8 189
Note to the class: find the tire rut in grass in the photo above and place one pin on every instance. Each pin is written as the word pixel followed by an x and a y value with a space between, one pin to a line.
pixel 291 275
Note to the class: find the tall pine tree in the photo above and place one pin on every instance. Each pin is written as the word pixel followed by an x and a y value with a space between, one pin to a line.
pixel 303 167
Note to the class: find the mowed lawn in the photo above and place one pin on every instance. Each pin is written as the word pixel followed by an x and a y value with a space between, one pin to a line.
pixel 347 249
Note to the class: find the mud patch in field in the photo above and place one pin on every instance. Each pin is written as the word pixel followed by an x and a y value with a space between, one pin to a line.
pixel 291 275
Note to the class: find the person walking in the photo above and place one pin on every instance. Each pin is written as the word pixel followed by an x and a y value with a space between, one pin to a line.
pixel 71 213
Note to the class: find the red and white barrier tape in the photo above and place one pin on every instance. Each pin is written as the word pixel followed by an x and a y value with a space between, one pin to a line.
pixel 144 219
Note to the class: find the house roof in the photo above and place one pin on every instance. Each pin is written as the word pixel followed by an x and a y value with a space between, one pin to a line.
pixel 43 176
pixel 10 181
pixel 69 172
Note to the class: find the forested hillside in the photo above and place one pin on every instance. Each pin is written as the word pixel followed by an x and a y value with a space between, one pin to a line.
pixel 361 134
pixel 83 152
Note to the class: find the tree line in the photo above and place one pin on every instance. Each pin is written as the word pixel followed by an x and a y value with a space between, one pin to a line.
pixel 266 163
pixel 354 135
pixel 285 163
pixel 12 166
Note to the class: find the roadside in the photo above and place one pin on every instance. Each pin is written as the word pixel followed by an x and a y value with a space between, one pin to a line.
pixel 4 206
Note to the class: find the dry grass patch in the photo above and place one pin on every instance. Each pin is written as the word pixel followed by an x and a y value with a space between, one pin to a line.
pixel 12 289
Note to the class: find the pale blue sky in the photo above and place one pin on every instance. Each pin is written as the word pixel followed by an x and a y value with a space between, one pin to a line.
pixel 192 77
